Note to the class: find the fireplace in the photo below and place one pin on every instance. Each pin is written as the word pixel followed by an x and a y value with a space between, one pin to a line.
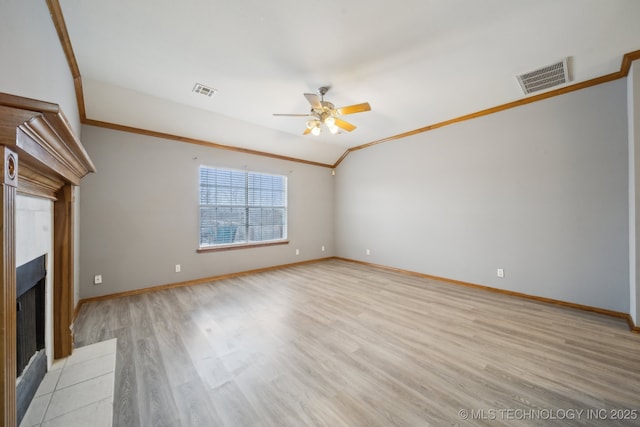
pixel 40 156
pixel 30 331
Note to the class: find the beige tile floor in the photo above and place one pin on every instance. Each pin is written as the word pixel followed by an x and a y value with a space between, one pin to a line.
pixel 77 391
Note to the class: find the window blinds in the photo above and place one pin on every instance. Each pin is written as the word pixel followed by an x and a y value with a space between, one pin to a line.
pixel 241 207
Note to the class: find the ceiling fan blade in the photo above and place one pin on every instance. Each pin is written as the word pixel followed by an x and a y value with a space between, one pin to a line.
pixel 344 125
pixel 356 108
pixel 292 115
pixel 306 132
pixel 313 99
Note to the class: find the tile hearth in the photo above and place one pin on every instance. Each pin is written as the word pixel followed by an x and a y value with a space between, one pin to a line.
pixel 77 391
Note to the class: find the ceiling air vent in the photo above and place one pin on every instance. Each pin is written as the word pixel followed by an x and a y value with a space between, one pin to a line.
pixel 203 90
pixel 545 77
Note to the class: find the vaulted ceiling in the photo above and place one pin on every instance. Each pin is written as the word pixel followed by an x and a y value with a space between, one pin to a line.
pixel 417 62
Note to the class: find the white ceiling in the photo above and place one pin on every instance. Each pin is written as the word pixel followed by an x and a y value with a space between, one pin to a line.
pixel 417 62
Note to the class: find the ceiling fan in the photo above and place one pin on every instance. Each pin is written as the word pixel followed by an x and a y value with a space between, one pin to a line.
pixel 325 112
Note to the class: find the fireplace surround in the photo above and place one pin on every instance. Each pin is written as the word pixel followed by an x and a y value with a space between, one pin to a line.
pixel 39 156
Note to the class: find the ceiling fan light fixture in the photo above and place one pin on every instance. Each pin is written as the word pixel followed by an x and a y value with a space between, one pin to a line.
pixel 324 113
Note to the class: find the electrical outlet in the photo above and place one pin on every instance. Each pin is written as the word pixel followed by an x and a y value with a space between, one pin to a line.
pixel 178 269
pixel 97 279
pixel 322 248
pixel 500 272
pixel 368 252
pixel 297 251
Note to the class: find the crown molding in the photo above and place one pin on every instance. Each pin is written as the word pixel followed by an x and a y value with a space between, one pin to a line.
pixel 196 141
pixel 58 20
pixel 627 59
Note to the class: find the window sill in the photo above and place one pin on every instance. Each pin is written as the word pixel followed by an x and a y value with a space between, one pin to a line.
pixel 240 246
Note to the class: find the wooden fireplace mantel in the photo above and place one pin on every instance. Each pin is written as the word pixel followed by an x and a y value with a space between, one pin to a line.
pixel 41 156
pixel 45 143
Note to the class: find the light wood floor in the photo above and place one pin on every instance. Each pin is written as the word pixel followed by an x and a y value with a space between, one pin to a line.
pixel 341 344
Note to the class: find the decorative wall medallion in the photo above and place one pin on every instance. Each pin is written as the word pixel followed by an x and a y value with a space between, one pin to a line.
pixel 11 166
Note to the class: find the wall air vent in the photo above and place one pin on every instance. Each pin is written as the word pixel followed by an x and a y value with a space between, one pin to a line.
pixel 545 77
pixel 203 90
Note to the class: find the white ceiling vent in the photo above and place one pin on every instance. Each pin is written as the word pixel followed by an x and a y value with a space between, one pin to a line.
pixel 203 90
pixel 545 77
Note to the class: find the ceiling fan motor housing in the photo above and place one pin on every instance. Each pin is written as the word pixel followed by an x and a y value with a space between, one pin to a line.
pixel 324 112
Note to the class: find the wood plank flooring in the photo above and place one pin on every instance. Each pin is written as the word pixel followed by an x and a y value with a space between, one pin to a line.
pixel 340 344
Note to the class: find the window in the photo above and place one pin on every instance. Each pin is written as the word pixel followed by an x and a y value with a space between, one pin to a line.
pixel 240 207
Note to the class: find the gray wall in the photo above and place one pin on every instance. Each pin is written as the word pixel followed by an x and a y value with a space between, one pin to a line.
pixel 139 213
pixel 633 118
pixel 539 190
pixel 33 62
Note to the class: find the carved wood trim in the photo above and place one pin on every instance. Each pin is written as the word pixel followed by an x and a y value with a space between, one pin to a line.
pixel 52 162
pixel 63 219
pixel 9 171
pixel 41 145
pixel 51 145
pixel 33 183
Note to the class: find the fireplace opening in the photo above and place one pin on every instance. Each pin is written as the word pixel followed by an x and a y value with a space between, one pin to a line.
pixel 31 359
